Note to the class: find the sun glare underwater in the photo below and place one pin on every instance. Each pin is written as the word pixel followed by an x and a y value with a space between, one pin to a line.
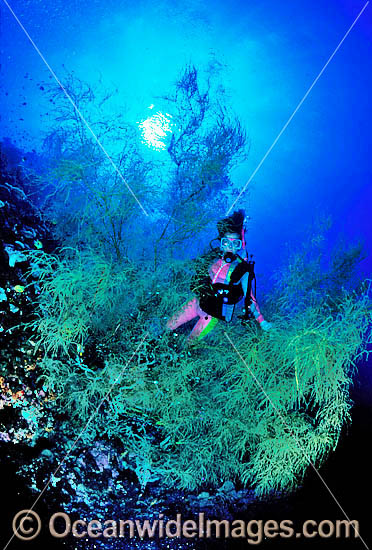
pixel 185 294
pixel 155 128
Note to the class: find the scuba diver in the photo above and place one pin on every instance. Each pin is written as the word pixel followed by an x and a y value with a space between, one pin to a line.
pixel 227 285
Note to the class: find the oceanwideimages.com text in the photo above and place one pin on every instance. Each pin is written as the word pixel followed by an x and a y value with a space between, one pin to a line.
pixel 254 531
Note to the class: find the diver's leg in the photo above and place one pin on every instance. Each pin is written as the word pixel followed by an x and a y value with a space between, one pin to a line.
pixel 205 324
pixel 187 312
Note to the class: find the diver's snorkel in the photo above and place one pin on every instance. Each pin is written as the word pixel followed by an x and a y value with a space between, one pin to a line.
pixel 244 229
pixel 243 235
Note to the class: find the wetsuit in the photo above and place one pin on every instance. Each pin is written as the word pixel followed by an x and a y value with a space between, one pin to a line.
pixel 219 272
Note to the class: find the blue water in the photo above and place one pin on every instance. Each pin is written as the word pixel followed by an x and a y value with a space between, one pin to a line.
pixel 267 55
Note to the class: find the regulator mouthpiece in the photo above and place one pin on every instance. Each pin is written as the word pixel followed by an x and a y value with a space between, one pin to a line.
pixel 229 257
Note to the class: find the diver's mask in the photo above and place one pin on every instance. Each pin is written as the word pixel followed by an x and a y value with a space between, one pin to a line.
pixel 230 246
pixel 235 244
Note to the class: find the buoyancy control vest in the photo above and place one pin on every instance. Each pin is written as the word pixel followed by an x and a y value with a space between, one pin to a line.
pixel 219 299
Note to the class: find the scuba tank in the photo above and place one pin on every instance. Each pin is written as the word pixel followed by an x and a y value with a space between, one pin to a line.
pixel 227 309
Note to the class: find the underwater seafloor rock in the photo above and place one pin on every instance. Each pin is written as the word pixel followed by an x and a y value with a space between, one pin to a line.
pixel 89 486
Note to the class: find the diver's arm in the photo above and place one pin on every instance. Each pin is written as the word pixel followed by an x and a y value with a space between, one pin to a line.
pixel 265 325
pixel 253 307
pixel 256 310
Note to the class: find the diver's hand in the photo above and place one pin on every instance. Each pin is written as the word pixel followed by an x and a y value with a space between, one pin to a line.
pixel 265 325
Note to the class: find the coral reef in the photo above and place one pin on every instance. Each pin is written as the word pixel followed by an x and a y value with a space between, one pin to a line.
pixel 90 375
